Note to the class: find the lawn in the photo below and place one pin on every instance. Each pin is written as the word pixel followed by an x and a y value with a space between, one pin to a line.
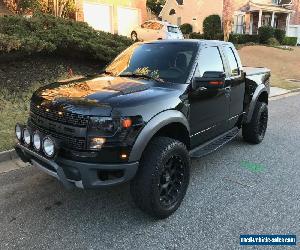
pixel 19 79
pixel 284 64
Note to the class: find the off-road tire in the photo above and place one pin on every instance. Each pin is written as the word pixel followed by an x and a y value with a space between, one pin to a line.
pixel 146 186
pixel 254 132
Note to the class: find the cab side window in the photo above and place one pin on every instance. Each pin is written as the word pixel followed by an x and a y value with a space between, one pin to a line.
pixel 233 64
pixel 210 60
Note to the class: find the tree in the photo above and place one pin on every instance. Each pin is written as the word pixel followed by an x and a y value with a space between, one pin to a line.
pixel 212 27
pixel 156 6
pixel 228 11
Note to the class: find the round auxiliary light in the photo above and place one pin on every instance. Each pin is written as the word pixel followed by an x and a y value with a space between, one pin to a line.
pixel 26 136
pixel 37 141
pixel 48 147
pixel 18 131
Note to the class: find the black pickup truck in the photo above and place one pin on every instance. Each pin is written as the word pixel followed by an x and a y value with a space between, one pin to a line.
pixel 156 106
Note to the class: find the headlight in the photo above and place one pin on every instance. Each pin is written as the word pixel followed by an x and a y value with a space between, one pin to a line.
pixel 18 131
pixel 26 136
pixel 105 124
pixel 48 147
pixel 96 142
pixel 36 141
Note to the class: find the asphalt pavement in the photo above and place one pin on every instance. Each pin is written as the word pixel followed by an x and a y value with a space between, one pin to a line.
pixel 240 189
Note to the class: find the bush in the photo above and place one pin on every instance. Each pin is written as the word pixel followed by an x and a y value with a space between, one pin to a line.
pixel 212 27
pixel 56 36
pixel 273 42
pixel 279 34
pixel 290 41
pixel 243 38
pixel 265 33
pixel 195 35
pixel 186 28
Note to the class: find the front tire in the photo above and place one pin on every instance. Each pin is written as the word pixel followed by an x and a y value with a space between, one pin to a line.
pixel 163 177
pixel 254 132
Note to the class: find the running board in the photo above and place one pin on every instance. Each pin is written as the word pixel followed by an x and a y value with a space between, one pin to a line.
pixel 214 144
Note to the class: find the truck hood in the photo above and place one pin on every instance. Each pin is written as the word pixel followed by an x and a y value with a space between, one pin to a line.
pixel 99 95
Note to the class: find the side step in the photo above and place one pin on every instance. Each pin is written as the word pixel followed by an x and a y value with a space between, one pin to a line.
pixel 214 144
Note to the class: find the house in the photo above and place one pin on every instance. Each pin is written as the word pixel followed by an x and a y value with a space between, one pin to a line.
pixel 248 16
pixel 115 16
pixel 190 11
pixel 242 16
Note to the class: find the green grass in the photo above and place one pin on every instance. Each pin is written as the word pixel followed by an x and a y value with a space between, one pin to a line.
pixel 14 107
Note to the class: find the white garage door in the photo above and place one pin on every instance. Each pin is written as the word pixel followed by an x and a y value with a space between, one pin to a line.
pixel 98 16
pixel 127 19
pixel 294 31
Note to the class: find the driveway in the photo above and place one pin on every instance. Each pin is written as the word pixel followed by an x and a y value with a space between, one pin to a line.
pixel 239 189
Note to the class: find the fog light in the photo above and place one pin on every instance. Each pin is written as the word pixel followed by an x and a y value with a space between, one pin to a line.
pixel 37 141
pixel 97 142
pixel 18 131
pixel 48 147
pixel 26 136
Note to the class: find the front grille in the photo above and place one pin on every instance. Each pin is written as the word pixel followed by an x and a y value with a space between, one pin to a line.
pixel 67 141
pixel 65 117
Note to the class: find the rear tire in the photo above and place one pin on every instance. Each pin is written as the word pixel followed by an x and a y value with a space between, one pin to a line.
pixel 163 177
pixel 134 36
pixel 254 132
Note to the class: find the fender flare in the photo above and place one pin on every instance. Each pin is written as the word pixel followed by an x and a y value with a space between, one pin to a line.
pixel 155 124
pixel 259 90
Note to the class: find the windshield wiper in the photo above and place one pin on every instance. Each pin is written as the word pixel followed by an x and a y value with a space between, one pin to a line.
pixel 142 76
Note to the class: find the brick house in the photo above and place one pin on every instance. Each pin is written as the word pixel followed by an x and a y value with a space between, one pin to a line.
pixel 239 16
pixel 115 16
pixel 248 16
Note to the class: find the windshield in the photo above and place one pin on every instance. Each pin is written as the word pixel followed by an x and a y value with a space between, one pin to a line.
pixel 170 62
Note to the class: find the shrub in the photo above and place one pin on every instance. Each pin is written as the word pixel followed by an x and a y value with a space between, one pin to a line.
pixel 57 36
pixel 279 34
pixel 290 41
pixel 212 27
pixel 186 28
pixel 243 38
pixel 265 33
pixel 195 35
pixel 273 41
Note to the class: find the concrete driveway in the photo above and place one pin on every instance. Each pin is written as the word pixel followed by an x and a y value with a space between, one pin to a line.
pixel 239 189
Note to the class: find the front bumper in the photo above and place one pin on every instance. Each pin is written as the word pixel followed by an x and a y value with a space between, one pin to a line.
pixel 80 174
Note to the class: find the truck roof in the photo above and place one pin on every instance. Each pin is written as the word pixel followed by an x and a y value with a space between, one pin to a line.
pixel 198 41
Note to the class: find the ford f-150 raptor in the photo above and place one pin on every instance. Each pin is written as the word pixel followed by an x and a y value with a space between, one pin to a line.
pixel 142 119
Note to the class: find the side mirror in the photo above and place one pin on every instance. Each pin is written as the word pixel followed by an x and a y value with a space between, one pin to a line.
pixel 209 80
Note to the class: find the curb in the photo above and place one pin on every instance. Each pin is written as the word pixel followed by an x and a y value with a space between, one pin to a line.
pixel 292 91
pixel 8 155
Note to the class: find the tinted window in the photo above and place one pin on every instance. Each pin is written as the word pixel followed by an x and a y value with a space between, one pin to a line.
pixel 210 60
pixel 170 62
pixel 173 29
pixel 234 68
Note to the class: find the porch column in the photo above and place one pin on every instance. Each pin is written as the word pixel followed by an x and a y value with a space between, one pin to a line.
pixel 273 19
pixel 287 22
pixel 260 18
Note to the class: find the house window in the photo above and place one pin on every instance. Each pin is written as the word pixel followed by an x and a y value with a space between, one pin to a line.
pixel 172 12
pixel 277 2
pixel 266 20
pixel 239 24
